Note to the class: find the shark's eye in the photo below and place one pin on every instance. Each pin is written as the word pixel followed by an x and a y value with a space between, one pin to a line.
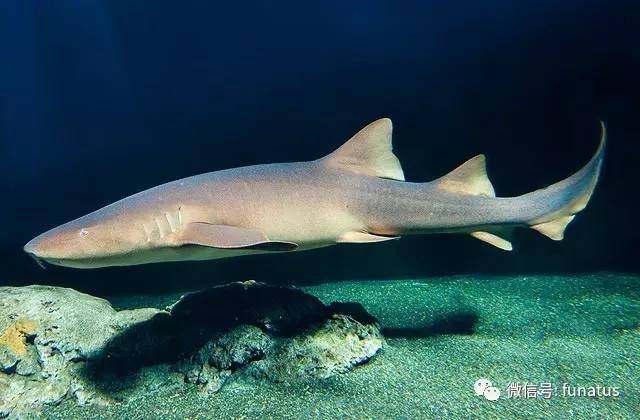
pixel 84 232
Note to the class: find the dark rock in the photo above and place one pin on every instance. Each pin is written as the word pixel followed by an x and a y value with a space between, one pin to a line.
pixel 280 310
pixel 215 362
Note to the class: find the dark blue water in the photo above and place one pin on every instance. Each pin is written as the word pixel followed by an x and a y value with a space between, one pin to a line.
pixel 99 100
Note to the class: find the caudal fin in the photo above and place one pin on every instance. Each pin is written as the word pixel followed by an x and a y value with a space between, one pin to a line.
pixel 566 198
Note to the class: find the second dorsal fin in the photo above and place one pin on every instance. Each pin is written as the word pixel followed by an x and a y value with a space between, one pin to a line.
pixel 468 178
pixel 368 152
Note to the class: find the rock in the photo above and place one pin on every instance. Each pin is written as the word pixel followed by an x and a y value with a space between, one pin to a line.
pixel 336 347
pixel 323 350
pixel 57 343
pixel 223 355
pixel 279 310
pixel 44 333
pixel 167 337
pixel 237 348
pixel 14 353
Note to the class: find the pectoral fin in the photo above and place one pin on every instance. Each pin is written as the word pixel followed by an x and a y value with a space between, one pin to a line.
pixel 363 237
pixel 230 237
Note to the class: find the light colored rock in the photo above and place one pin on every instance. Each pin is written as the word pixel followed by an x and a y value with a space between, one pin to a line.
pixel 45 335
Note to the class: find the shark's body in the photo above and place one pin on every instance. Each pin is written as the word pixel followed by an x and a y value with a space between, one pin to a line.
pixel 356 194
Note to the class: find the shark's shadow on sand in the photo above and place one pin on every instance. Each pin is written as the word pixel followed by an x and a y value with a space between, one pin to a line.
pixel 458 323
pixel 180 331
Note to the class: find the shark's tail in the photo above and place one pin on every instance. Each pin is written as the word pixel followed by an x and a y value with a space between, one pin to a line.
pixel 548 210
pixel 557 205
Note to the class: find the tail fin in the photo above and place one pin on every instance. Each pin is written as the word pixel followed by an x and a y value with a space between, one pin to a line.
pixel 567 197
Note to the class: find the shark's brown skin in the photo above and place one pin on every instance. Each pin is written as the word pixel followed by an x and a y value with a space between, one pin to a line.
pixel 356 194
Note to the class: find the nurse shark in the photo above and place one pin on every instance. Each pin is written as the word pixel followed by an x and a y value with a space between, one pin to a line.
pixel 357 194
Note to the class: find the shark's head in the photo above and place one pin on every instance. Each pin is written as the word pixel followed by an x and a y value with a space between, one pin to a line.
pixel 89 241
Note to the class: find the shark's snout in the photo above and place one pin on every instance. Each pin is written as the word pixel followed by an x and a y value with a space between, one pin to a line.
pixel 30 248
pixel 55 247
pixel 58 243
pixel 34 247
pixel 84 241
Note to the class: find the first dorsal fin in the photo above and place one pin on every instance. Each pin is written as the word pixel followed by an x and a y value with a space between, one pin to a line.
pixel 368 152
pixel 468 178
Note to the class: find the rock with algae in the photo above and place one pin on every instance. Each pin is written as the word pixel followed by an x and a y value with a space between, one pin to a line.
pixel 14 351
pixel 57 343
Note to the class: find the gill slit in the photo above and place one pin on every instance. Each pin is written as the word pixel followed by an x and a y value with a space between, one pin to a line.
pixel 160 231
pixel 147 232
pixel 171 227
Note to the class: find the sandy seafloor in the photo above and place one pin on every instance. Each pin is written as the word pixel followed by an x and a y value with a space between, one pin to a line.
pixel 444 334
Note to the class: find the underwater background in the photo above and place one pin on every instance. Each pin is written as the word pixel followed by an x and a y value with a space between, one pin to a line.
pixel 102 99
